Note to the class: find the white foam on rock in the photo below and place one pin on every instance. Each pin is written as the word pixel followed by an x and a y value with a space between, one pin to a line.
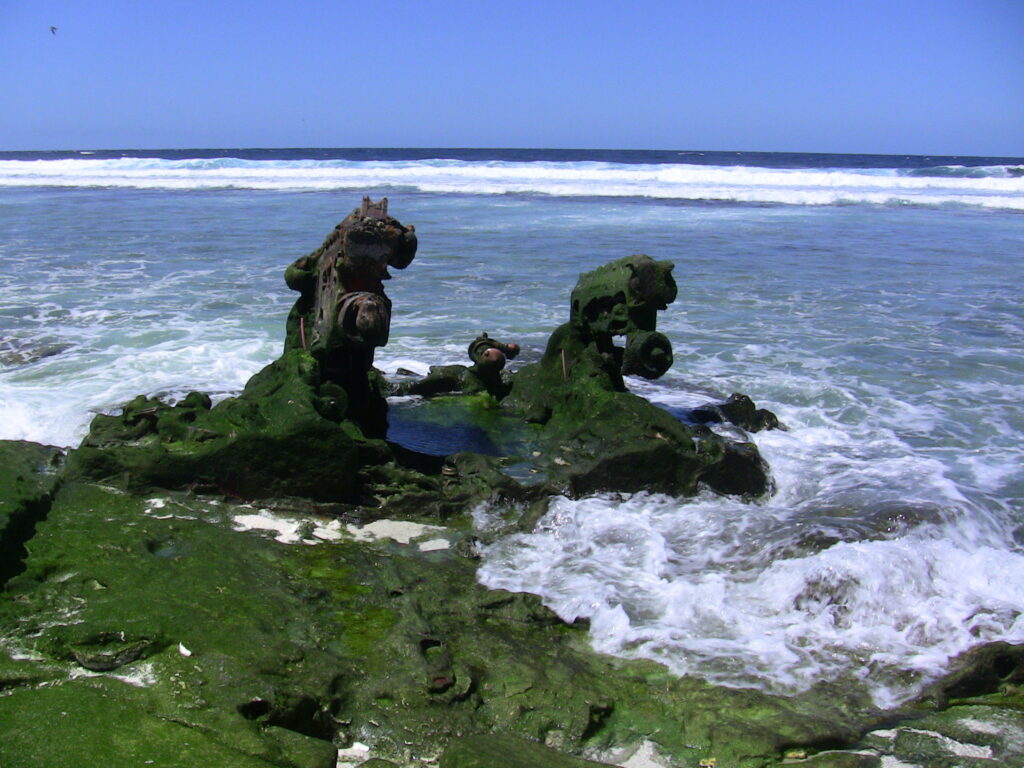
pixel 434 545
pixel 141 675
pixel 352 756
pixel 888 761
pixel 289 530
pixel 166 513
pixel 308 530
pixel 400 531
pixel 980 726
pixel 646 755
pixel 954 747
pixel 391 367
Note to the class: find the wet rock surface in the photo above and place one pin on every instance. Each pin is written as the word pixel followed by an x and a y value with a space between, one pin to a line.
pixel 485 375
pixel 738 410
pixel 343 314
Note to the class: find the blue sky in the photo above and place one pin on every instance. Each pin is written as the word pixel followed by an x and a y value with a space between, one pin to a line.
pixel 900 76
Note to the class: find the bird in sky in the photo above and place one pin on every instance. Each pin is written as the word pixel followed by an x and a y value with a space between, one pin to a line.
pixel 53 30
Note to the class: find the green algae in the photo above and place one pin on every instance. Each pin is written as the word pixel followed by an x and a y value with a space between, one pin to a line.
pixel 28 475
pixel 242 637
pixel 111 723
pixel 274 439
pixel 497 751
pixel 595 435
pixel 278 653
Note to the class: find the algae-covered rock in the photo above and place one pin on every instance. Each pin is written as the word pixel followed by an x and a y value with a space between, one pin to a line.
pixel 994 671
pixel 497 751
pixel 343 314
pixel 28 475
pixel 963 735
pixel 623 298
pixel 151 624
pixel 485 375
pixel 598 436
pixel 739 410
pixel 835 759
pixel 282 436
pixel 312 424
pixel 107 722
pixel 972 716
pixel 192 617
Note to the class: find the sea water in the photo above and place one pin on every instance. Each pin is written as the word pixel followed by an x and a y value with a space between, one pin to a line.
pixel 874 303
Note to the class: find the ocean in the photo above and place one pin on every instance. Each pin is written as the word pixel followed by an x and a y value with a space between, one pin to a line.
pixel 873 302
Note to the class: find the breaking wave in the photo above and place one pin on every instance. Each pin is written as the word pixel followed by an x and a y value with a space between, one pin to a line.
pixel 998 187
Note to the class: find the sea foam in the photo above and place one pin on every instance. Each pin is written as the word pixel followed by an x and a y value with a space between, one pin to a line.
pixel 685 584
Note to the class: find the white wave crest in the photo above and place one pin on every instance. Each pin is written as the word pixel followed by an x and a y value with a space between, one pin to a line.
pixel 662 181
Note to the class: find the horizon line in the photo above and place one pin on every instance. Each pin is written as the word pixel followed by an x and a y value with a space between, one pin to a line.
pixel 506 149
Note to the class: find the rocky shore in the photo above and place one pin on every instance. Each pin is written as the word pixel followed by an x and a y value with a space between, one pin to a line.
pixel 277 580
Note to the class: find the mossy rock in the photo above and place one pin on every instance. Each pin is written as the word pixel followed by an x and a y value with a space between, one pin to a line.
pixel 28 474
pixel 105 722
pixel 841 760
pixel 260 644
pixel 596 436
pixel 284 435
pixel 497 751
pixel 993 672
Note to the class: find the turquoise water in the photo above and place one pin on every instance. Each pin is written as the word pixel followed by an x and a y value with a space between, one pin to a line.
pixel 885 327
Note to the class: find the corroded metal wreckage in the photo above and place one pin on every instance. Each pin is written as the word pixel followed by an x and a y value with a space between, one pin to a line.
pixel 314 422
pixel 623 298
pixel 343 314
pixel 489 357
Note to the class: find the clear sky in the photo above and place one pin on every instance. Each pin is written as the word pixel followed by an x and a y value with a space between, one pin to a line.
pixel 886 76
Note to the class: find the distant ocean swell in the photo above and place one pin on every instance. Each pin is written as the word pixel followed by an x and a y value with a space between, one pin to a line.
pixel 993 186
